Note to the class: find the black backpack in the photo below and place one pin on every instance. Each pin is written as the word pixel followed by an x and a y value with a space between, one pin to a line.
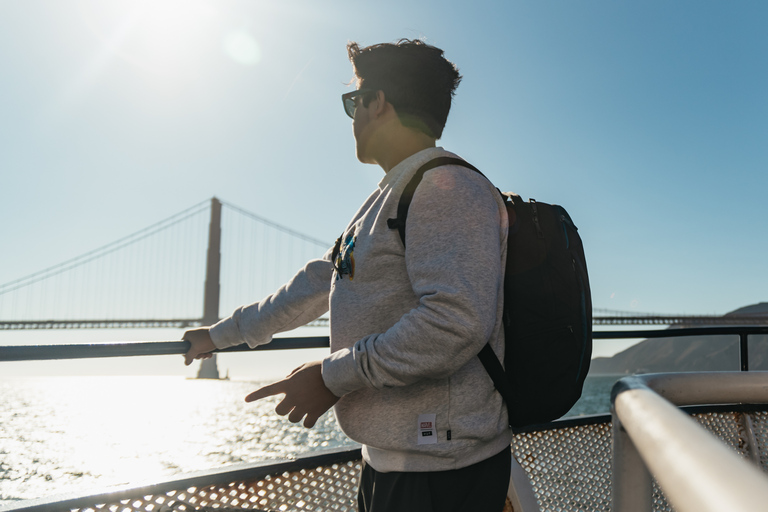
pixel 547 307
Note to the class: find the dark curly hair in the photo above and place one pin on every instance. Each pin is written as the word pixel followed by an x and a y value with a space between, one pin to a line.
pixel 416 79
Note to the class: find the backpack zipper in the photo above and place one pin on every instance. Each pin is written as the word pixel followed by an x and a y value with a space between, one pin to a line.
pixel 535 211
pixel 565 232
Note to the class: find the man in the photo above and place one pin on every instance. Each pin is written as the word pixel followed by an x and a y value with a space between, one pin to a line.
pixel 407 321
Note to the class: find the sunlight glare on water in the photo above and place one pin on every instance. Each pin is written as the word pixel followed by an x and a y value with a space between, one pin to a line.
pixel 77 434
pixel 81 434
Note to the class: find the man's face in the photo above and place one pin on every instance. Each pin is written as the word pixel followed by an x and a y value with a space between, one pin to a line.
pixel 362 128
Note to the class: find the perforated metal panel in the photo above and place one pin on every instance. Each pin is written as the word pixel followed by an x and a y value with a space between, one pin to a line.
pixel 569 468
pixel 728 427
pixel 325 488
pixel 760 429
pixel 725 425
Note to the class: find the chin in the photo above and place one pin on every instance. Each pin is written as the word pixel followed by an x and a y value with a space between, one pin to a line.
pixel 361 156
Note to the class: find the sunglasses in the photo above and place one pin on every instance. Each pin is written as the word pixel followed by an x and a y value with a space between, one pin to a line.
pixel 350 103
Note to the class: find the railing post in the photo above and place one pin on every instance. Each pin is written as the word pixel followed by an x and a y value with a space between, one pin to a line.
pixel 208 368
pixel 632 486
pixel 744 351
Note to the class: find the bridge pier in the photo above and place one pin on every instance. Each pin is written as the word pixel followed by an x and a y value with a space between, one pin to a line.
pixel 208 367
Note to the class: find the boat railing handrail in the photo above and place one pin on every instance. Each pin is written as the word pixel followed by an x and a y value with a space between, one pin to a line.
pixel 149 348
pixel 742 331
pixel 696 471
pixel 141 348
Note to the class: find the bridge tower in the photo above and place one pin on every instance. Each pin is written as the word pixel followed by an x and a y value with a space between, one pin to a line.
pixel 208 367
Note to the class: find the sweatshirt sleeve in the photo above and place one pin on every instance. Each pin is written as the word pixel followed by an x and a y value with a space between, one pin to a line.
pixel 303 299
pixel 455 249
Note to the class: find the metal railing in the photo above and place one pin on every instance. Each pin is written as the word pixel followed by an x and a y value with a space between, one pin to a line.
pixel 141 348
pixel 548 455
pixel 695 470
pixel 124 349
pixel 743 332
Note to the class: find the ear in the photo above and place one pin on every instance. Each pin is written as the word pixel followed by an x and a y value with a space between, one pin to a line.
pixel 380 106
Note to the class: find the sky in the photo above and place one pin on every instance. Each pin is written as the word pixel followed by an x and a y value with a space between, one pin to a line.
pixel 647 120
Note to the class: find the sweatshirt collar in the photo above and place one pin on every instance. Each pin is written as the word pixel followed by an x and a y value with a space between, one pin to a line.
pixel 414 161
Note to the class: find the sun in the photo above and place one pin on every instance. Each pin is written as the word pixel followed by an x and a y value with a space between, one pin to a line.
pixel 164 38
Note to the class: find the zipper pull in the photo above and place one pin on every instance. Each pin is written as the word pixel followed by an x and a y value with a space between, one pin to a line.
pixel 535 211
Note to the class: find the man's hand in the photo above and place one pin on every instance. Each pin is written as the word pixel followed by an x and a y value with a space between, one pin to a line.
pixel 201 344
pixel 305 394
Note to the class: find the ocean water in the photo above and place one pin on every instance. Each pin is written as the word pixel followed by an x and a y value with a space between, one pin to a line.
pixel 81 434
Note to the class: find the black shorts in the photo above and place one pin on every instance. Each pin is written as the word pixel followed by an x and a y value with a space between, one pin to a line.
pixel 480 487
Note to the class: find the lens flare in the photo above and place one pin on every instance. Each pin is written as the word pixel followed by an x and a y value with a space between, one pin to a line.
pixel 242 48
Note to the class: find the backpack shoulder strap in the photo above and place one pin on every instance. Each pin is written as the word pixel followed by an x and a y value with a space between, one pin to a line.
pixel 487 356
pixel 407 195
pixel 496 372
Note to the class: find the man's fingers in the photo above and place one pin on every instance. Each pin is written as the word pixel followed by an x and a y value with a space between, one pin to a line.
pixel 310 420
pixel 272 389
pixel 295 415
pixel 190 356
pixel 284 407
pixel 305 395
pixel 294 371
pixel 201 345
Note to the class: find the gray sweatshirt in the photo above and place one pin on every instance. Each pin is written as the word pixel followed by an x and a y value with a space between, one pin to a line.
pixel 406 324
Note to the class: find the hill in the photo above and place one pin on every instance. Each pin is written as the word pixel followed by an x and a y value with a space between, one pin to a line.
pixel 692 353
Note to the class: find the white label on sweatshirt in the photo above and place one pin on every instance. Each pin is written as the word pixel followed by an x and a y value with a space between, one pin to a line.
pixel 427 430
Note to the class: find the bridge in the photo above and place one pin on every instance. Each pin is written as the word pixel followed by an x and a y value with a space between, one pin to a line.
pixel 160 276
pixel 184 270
pixel 177 273
pixel 615 317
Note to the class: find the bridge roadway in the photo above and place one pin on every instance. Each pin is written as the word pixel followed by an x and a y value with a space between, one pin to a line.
pixel 181 323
